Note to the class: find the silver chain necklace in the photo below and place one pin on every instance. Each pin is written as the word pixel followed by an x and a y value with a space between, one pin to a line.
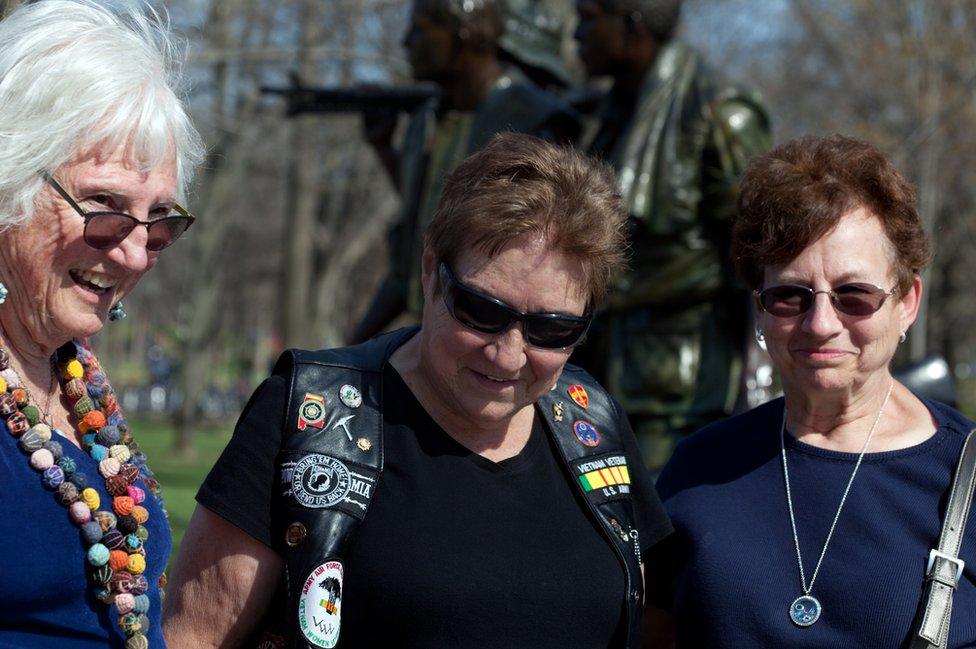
pixel 806 609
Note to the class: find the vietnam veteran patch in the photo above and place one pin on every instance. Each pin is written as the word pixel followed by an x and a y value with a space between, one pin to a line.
pixel 603 477
pixel 312 411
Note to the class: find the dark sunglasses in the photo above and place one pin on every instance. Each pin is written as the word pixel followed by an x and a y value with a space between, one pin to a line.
pixel 490 315
pixel 104 230
pixel 791 300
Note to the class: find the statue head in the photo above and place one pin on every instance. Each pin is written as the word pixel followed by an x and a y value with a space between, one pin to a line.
pixel 660 16
pixel 440 28
pixel 534 36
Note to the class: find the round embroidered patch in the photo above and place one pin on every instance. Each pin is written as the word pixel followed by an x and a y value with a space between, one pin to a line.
pixel 586 433
pixel 320 606
pixel 320 481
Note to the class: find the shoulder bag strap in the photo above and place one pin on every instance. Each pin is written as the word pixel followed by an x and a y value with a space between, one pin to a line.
pixel 945 567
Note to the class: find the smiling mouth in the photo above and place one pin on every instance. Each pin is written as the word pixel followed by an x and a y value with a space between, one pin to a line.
pixel 495 379
pixel 95 282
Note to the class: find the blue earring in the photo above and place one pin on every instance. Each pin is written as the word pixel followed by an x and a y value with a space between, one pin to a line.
pixel 3 292
pixel 117 312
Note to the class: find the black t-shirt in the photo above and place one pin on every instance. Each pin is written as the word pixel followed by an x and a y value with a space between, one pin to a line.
pixel 456 550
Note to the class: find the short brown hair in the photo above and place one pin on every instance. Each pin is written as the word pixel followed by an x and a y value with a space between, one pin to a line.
pixel 519 184
pixel 799 191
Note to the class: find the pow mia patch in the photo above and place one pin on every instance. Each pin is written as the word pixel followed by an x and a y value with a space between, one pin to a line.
pixel 321 481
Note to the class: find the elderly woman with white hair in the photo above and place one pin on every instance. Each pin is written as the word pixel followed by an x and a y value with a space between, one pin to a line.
pixel 96 150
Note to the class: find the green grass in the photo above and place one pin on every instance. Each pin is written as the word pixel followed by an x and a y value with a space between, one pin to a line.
pixel 179 478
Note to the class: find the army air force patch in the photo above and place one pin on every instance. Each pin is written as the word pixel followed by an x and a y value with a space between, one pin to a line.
pixel 320 606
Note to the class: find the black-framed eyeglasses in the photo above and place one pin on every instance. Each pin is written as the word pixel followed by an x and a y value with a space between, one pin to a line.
pixel 489 315
pixel 105 229
pixel 791 300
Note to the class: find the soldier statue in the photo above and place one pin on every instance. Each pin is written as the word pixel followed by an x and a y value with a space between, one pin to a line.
pixel 670 345
pixel 454 44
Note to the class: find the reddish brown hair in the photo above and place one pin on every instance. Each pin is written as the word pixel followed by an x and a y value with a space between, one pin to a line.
pixel 799 191
pixel 519 184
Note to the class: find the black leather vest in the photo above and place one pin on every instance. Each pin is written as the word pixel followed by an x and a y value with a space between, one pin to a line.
pixel 330 463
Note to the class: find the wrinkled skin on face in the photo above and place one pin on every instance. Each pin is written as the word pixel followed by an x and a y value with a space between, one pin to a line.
pixel 823 352
pixel 61 288
pixel 480 382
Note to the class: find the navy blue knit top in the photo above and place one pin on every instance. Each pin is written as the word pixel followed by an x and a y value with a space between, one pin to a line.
pixel 730 572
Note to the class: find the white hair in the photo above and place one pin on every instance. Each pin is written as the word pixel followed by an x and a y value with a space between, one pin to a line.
pixel 76 77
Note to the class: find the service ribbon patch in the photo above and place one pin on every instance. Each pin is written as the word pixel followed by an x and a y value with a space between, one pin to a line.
pixel 604 477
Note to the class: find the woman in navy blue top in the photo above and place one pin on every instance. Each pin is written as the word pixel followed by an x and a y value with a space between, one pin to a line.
pixel 808 521
pixel 96 149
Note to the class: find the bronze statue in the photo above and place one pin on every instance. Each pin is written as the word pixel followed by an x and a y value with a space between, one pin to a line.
pixel 670 345
pixel 454 44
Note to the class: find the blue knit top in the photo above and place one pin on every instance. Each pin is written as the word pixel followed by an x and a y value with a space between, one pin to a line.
pixel 730 572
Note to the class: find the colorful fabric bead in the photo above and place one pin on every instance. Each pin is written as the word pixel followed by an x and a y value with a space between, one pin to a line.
pixel 91 498
pixel 136 494
pixel 107 520
pixel 17 424
pixel 56 450
pixel 127 524
pixel 120 453
pixel 138 641
pixel 41 459
pixel 116 485
pixel 79 479
pixel 113 540
pixel 98 555
pixel 21 397
pixel 136 564
pixel 129 624
pixel 125 603
pixel 140 514
pixel 139 585
pixel 73 370
pixel 33 414
pixel 10 376
pixel 91 532
pixel 122 505
pixel 102 574
pixel 83 406
pixel 74 389
pixel 53 477
pixel 141 604
pixel 79 512
pixel 8 405
pixel 132 543
pixel 109 467
pixel 122 582
pixel 104 595
pixel 117 559
pixel 91 421
pixel 98 452
pixel 142 533
pixel 43 431
pixel 67 494
pixel 130 472
pixel 108 436
pixel 144 623
pixel 88 440
pixel 3 384
pixel 68 465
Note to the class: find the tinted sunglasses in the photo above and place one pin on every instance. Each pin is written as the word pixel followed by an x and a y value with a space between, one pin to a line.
pixel 490 315
pixel 104 230
pixel 791 300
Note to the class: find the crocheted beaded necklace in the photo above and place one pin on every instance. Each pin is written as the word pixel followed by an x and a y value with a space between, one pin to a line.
pixel 115 542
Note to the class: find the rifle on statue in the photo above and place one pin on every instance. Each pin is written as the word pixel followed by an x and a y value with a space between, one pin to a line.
pixel 301 99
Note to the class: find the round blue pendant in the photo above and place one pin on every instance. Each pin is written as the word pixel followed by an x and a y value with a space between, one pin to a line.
pixel 805 610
